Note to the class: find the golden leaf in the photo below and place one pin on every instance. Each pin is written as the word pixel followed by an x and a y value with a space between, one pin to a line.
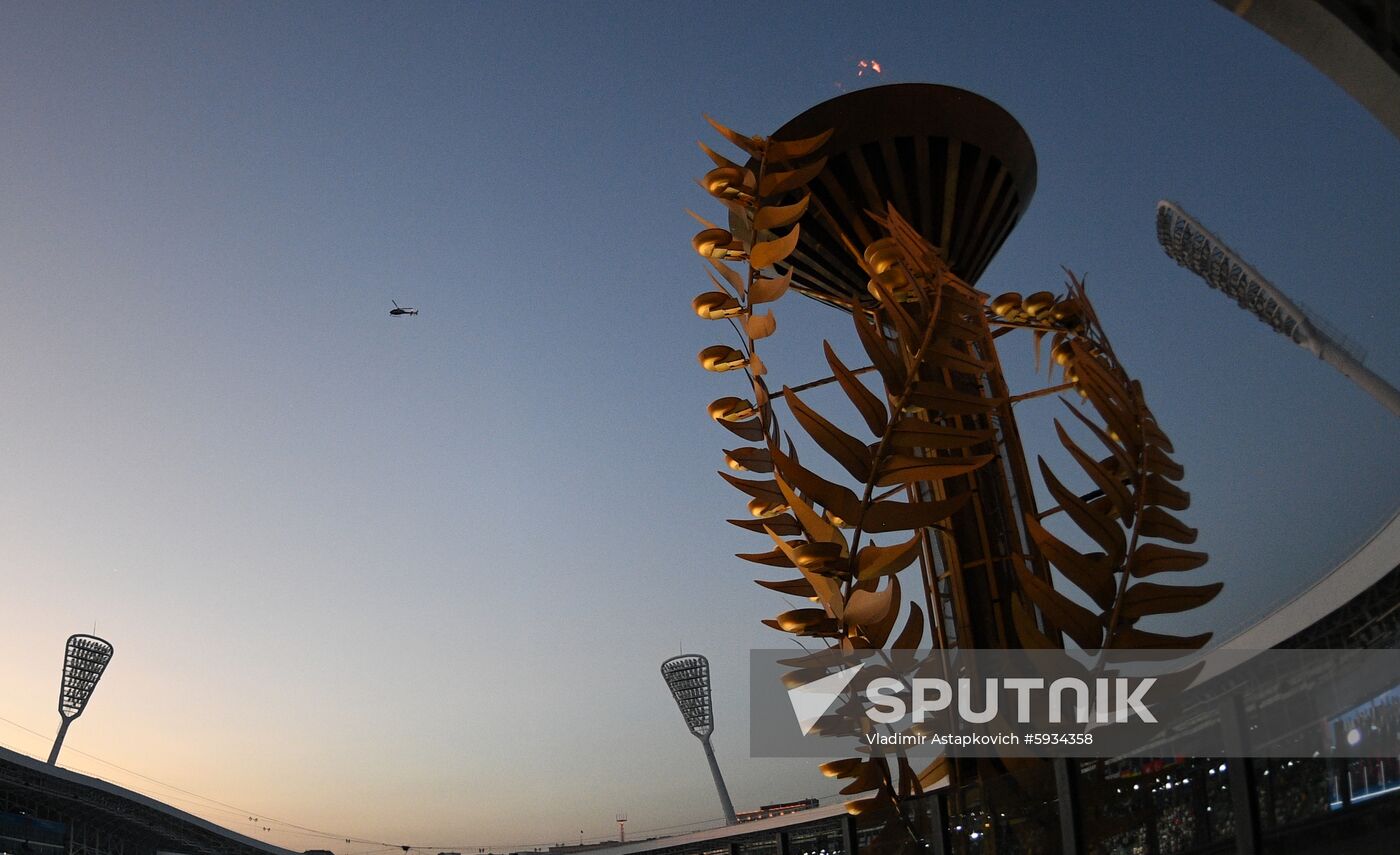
pixel 719 159
pixel 1162 492
pixel 835 498
pixel 701 220
pixel 866 607
pixel 810 622
pixel 1158 463
pixel 815 525
pixel 748 459
pixel 765 489
pixel 877 633
pixel 869 777
pixel 729 182
pixel 1005 305
pixel 1107 396
pixel 822 558
pixel 941 399
pixel 775 558
pixel 792 587
pixel 1150 558
pixel 761 326
pixel 1026 630
pixel 1091 574
pixel 770 252
pixel 751 145
pixel 730 409
pixel 1078 622
pixel 903 469
pixel 1103 530
pixel 783 524
pixel 890 366
pixel 763 507
pixel 756 366
pixel 1147 598
pixel 1158 523
pixel 715 305
pixel 766 290
pixel 751 430
pixel 780 182
pixel 876 561
pixel 789 149
pixel 843 768
pixel 1155 435
pixel 903 516
pixel 828 590
pixel 872 805
pixel 865 401
pixel 1111 485
pixel 915 433
pixel 736 281
pixel 908 333
pixel 718 244
pixel 780 216
pixel 1119 453
pixel 912 636
pixel 721 357
pixel 844 448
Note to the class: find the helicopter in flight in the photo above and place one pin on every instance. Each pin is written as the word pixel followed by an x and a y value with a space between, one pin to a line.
pixel 401 310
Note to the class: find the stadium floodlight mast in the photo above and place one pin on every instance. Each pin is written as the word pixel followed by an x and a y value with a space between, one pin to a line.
pixel 1204 254
pixel 688 677
pixel 84 660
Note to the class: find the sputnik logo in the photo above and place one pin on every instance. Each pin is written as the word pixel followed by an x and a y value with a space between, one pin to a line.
pixel 810 701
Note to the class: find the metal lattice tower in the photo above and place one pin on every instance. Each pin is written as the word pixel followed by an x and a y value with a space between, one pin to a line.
pixel 688 678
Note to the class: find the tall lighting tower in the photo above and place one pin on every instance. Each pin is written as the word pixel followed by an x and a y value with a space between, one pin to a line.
pixel 84 659
pixel 688 678
pixel 1204 254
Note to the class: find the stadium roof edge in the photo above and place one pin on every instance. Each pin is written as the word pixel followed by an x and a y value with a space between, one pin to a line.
pixel 1350 578
pixel 24 760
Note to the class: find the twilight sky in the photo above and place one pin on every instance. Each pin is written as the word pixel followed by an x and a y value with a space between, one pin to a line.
pixel 410 580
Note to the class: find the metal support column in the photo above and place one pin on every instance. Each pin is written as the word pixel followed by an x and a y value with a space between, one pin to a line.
pixel 941 843
pixel 849 840
pixel 1240 771
pixel 1067 796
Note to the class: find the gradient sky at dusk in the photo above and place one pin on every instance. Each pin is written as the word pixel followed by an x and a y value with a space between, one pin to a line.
pixel 410 580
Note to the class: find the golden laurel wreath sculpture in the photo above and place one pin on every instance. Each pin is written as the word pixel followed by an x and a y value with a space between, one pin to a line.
pixel 929 422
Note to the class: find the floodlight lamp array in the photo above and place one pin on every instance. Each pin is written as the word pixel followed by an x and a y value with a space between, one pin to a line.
pixel 1193 247
pixel 84 660
pixel 688 677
